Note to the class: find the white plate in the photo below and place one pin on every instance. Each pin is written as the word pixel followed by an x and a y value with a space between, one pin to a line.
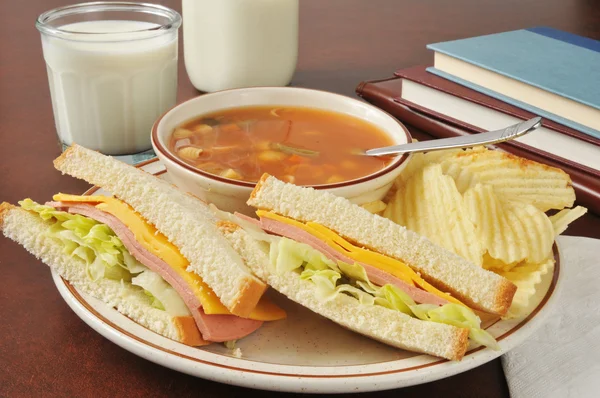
pixel 305 352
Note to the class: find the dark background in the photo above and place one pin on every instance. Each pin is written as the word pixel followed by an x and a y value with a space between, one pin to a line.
pixel 45 349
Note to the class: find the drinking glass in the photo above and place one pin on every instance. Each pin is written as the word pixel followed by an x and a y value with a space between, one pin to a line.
pixel 112 71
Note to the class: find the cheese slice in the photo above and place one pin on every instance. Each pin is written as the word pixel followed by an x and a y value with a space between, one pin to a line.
pixel 158 244
pixel 400 271
pixel 390 265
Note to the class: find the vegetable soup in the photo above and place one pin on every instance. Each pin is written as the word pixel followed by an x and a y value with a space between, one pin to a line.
pixel 303 146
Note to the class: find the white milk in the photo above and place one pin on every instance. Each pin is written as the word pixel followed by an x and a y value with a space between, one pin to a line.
pixel 240 43
pixel 107 89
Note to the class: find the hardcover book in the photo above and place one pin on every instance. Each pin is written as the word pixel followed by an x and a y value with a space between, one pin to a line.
pixel 548 72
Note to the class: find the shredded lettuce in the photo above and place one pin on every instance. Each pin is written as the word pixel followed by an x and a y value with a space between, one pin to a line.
pixel 457 315
pixel 325 280
pixel 105 255
pixel 355 271
pixel 163 295
pixel 328 287
pixel 230 344
pixel 362 296
pixel 93 242
pixel 155 302
pixel 396 299
pixel 290 255
pixel 133 265
pixel 332 279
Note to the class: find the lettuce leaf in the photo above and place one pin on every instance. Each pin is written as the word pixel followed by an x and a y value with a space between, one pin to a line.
pixel 290 255
pixel 457 315
pixel 155 302
pixel 363 297
pixel 133 265
pixel 230 344
pixel 105 255
pixel 327 287
pixel 396 299
pixel 356 272
pixel 325 280
pixel 165 297
pixel 93 242
pixel 334 278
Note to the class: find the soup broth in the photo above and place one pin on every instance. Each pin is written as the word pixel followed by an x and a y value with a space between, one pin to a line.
pixel 303 146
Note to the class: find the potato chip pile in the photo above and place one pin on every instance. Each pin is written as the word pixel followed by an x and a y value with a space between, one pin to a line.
pixel 489 207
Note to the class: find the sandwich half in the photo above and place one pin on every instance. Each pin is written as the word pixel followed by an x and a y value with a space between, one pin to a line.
pixel 304 276
pixel 186 222
pixel 108 249
pixel 36 236
pixel 365 272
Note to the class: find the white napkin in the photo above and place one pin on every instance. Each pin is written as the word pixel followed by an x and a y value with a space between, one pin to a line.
pixel 562 359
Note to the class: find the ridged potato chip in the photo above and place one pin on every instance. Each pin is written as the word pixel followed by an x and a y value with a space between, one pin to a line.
pixel 430 204
pixel 511 232
pixel 562 219
pixel 526 277
pixel 419 160
pixel 374 207
pixel 515 178
pixel 487 206
pixel 463 177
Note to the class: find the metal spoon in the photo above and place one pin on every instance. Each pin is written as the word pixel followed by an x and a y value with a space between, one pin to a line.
pixel 491 137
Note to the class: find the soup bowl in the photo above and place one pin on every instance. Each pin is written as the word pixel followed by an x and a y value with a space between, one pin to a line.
pixel 231 195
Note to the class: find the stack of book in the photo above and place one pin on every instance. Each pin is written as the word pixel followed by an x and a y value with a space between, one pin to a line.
pixel 489 82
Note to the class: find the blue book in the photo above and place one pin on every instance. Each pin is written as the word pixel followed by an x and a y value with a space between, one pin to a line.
pixel 551 73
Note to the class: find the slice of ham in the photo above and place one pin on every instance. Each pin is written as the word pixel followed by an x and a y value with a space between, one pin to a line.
pixel 376 275
pixel 216 328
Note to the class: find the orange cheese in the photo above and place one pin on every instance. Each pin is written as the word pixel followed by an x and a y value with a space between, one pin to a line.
pixel 158 244
pixel 390 265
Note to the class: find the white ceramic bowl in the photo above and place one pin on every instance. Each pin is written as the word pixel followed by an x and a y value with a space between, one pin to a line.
pixel 231 195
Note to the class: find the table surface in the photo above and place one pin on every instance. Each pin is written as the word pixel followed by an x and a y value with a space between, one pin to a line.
pixel 44 346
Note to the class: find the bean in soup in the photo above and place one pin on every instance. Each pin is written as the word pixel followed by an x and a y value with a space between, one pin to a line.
pixel 303 146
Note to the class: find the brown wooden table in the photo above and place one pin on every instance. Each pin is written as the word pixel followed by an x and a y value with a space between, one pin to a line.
pixel 45 349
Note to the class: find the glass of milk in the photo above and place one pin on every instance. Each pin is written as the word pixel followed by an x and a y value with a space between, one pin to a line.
pixel 240 43
pixel 112 70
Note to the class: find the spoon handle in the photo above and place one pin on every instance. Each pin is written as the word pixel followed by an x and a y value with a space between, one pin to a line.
pixel 491 137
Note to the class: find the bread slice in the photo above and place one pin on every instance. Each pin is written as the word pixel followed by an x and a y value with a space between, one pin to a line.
pixel 183 219
pixel 29 230
pixel 379 323
pixel 480 289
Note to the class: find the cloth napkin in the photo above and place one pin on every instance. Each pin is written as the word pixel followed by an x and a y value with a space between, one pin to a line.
pixel 562 359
